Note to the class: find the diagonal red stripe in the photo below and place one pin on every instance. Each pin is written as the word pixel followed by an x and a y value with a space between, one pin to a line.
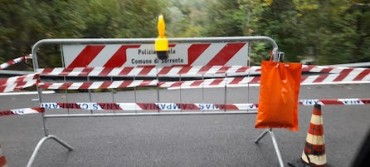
pixel 197 83
pixel 86 71
pixel 321 78
pixel 120 57
pixel 255 80
pixel 326 70
pixel 85 85
pixel 165 70
pixel 3 81
pixel 145 70
pixel 226 54
pixel 362 75
pixel 125 84
pixel 125 71
pixel 216 81
pixel 242 69
pixel 343 74
pixel 303 78
pixel 194 51
pixel 236 80
pixel 44 85
pixel 105 71
pixel 204 69
pixel 177 84
pixel 46 70
pixel 2 88
pixel 106 84
pixel 307 68
pixel 184 70
pixel 66 71
pixel 66 85
pixel 223 69
pixel 87 55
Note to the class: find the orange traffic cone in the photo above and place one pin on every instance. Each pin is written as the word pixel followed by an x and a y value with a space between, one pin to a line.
pixel 314 150
pixel 2 159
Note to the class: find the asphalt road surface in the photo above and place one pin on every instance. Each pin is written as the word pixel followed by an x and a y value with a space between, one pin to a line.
pixel 192 140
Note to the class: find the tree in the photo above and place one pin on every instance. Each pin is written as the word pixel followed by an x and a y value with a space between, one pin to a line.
pixel 24 22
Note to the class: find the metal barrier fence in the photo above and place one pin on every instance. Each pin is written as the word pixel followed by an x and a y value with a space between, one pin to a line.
pixel 87 53
pixel 116 73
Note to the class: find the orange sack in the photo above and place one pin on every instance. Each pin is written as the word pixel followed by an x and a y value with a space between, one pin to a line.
pixel 278 99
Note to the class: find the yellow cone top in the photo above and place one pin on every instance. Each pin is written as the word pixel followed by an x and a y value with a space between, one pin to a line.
pixel 161 43
pixel 161 27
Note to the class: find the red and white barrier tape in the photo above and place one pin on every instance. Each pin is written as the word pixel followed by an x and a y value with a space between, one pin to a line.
pixel 18 79
pixel 332 69
pixel 18 82
pixel 97 84
pixel 22 111
pixel 245 81
pixel 14 61
pixel 347 75
pixel 18 86
pixel 192 106
pixel 21 82
pixel 342 101
pixel 186 71
pixel 207 83
pixel 148 71
pixel 149 106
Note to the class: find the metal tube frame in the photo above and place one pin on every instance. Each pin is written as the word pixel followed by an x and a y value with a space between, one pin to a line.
pixel 46 137
pixel 274 142
pixel 39 144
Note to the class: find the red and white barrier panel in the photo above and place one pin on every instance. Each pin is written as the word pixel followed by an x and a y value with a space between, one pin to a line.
pixel 22 111
pixel 192 106
pixel 188 71
pixel 15 61
pixel 245 81
pixel 188 54
pixel 18 82
pixel 97 84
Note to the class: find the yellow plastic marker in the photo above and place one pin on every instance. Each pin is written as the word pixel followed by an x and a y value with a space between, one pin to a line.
pixel 161 43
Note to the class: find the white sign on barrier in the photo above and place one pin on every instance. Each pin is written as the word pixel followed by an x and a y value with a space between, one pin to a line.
pixel 145 55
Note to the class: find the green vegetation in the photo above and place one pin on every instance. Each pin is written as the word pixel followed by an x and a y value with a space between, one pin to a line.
pixel 331 31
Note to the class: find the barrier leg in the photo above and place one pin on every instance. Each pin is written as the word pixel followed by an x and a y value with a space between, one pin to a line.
pixel 39 144
pixel 261 136
pixel 274 142
pixel 276 148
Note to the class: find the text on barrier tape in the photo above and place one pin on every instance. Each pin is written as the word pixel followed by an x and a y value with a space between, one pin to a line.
pixel 22 111
pixel 192 106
